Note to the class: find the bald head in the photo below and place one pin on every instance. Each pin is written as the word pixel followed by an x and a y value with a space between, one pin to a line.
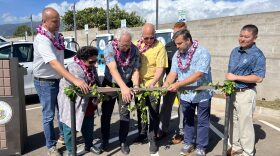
pixel 148 33
pixel 50 19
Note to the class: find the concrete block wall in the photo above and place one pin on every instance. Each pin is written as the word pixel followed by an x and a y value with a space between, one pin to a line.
pixel 220 36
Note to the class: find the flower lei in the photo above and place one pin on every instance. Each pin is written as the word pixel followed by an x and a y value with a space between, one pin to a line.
pixel 86 69
pixel 58 43
pixel 189 56
pixel 146 47
pixel 123 63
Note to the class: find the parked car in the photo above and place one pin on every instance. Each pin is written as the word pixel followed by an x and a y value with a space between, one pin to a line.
pixel 24 52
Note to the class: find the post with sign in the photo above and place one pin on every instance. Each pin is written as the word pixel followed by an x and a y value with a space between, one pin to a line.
pixel 86 32
pixel 123 23
pixel 182 16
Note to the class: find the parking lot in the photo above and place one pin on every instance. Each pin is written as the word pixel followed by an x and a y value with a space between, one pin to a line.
pixel 266 128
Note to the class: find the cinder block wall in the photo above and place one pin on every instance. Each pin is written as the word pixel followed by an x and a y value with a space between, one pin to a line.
pixel 220 36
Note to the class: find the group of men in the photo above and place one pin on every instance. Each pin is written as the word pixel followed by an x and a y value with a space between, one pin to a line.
pixel 185 63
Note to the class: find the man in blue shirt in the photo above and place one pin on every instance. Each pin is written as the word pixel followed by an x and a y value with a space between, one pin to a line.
pixel 191 63
pixel 122 64
pixel 246 68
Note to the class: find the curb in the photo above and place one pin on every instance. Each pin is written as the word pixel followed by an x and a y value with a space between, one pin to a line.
pixel 219 103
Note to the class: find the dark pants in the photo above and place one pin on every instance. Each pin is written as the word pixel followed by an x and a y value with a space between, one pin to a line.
pixel 203 123
pixel 107 108
pixel 87 133
pixel 153 105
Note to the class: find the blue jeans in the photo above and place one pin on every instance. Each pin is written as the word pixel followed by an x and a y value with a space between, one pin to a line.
pixel 47 92
pixel 87 133
pixel 203 123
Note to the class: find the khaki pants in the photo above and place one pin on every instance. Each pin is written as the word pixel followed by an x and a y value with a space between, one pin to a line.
pixel 243 130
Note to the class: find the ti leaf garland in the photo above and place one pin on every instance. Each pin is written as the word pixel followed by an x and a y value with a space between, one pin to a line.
pixel 72 92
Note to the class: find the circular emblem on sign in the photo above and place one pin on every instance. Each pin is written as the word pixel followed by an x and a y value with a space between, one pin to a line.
pixel 102 44
pixel 6 112
pixel 162 40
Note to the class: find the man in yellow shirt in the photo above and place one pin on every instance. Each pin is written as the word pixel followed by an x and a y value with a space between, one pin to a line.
pixel 154 60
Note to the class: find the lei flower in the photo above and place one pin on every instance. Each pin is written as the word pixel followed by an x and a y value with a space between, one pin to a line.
pixel 87 70
pixel 146 47
pixel 58 43
pixel 189 56
pixel 123 63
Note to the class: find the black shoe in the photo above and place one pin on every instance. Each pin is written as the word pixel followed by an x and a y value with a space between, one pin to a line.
pixel 153 148
pixel 125 148
pixel 141 139
pixel 93 149
pixel 104 145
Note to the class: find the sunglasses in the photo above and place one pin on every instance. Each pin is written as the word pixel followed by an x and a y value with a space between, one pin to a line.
pixel 147 38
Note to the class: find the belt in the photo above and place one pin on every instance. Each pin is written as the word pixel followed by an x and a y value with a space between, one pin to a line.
pixel 44 79
pixel 242 89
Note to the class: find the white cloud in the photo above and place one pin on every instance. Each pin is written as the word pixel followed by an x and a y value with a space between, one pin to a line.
pixel 168 9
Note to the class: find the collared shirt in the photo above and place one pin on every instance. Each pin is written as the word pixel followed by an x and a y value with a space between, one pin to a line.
pixel 250 61
pixel 155 57
pixel 200 63
pixel 125 72
pixel 44 52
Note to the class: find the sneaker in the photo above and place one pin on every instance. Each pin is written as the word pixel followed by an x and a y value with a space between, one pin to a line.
pixel 177 138
pixel 187 150
pixel 53 152
pixel 141 139
pixel 93 149
pixel 125 148
pixel 61 140
pixel 200 152
pixel 153 148
pixel 104 145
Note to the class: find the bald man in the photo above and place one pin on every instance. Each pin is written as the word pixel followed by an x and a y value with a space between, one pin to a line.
pixel 153 63
pixel 48 69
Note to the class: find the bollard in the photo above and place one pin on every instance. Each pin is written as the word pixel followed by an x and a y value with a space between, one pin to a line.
pixel 226 125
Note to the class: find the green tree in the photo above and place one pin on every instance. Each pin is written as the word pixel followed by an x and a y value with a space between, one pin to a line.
pixel 20 31
pixel 96 18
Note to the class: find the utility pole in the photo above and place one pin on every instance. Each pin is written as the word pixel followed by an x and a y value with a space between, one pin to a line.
pixel 107 14
pixel 31 24
pixel 156 14
pixel 74 16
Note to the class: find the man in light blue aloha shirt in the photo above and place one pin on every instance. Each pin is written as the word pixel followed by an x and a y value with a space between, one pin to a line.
pixel 191 63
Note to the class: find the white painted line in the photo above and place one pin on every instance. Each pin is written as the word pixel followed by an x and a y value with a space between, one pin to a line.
pixel 33 108
pixel 215 130
pixel 270 125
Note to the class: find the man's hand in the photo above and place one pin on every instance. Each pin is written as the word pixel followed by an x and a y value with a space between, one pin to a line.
pixel 151 85
pixel 174 87
pixel 231 76
pixel 135 91
pixel 126 94
pixel 82 85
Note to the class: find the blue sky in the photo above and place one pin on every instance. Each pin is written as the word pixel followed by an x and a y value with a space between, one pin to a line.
pixel 18 11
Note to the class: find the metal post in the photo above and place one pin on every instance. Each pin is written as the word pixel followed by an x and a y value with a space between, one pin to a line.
pixel 74 16
pixel 156 14
pixel 31 20
pixel 226 125
pixel 107 14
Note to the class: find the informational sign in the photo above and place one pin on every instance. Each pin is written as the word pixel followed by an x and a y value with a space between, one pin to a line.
pixel 182 14
pixel 123 23
pixel 86 28
pixel 101 42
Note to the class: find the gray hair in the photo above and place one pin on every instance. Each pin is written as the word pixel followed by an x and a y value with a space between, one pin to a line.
pixel 185 33
pixel 123 31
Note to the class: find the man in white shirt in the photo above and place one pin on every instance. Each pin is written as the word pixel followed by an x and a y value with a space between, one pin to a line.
pixel 48 69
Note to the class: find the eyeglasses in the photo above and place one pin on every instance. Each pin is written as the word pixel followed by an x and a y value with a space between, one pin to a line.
pixel 125 46
pixel 147 38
